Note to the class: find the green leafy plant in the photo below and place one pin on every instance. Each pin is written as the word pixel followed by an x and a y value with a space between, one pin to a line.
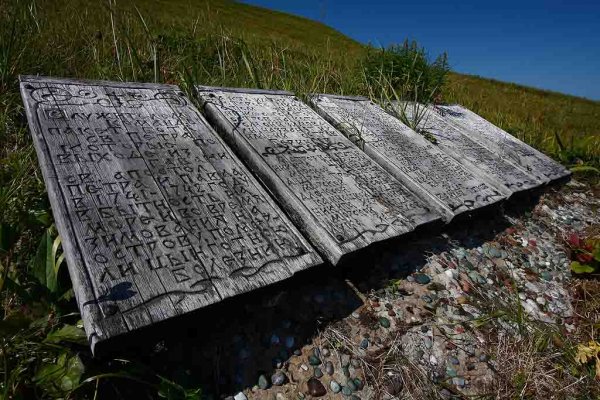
pixel 170 390
pixel 585 169
pixel 414 115
pixel 585 254
pixel 401 78
pixel 46 264
pixel 36 342
pixel 39 353
pixel 405 70
pixel 61 375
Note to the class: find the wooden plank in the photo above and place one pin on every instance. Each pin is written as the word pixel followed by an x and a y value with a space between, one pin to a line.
pixel 158 217
pixel 492 167
pixel 501 142
pixel 334 193
pixel 449 187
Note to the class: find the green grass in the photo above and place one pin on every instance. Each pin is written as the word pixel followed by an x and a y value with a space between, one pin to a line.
pixel 563 126
pixel 185 42
pixel 233 44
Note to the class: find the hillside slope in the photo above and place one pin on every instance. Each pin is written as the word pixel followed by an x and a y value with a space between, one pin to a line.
pixel 232 44
pixel 566 127
pixel 244 19
pixel 541 118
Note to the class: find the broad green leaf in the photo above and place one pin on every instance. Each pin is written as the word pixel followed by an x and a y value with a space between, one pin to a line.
pixel 55 246
pixel 45 265
pixel 67 333
pixel 193 394
pixel 58 263
pixel 579 268
pixel 38 265
pixel 585 168
pixel 41 323
pixel 60 377
pixel 170 390
pixel 43 217
pixel 67 296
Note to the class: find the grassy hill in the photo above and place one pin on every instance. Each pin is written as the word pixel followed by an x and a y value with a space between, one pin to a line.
pixel 562 126
pixel 251 21
pixel 230 43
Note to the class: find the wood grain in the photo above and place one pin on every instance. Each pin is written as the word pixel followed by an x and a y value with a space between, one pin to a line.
pixel 158 217
pixel 447 185
pixel 334 193
pixel 492 167
pixel 504 144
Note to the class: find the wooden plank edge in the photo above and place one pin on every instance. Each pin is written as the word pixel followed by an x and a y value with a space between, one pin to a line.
pixel 201 88
pixel 91 82
pixel 558 179
pixel 420 193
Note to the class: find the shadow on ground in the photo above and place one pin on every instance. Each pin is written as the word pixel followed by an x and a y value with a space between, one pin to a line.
pixel 229 345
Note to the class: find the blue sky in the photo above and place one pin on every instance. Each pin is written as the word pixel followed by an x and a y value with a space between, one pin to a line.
pixel 546 44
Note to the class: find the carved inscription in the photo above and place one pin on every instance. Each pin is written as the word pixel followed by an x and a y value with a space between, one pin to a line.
pixel 158 217
pixel 448 185
pixel 492 167
pixel 339 197
pixel 507 146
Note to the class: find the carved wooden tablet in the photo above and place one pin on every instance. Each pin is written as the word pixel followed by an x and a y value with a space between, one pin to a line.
pixel 157 216
pixel 449 186
pixel 335 194
pixel 492 167
pixel 534 162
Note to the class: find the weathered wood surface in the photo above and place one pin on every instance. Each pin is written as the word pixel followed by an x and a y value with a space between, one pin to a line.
pixel 336 195
pixel 157 216
pixel 492 167
pixel 534 162
pixel 449 186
